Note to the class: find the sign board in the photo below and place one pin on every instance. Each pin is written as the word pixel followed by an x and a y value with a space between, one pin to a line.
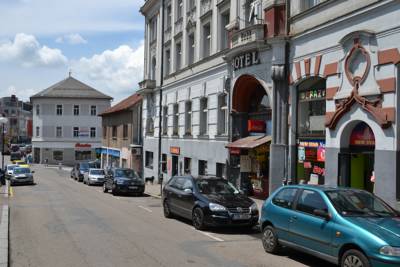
pixel 362 135
pixel 83 147
pixel 321 154
pixel 312 94
pixel 234 151
pixel 176 150
pixel 84 132
pixel 256 126
pixel 245 60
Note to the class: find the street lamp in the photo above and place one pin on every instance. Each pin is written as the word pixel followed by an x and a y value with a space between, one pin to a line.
pixel 3 121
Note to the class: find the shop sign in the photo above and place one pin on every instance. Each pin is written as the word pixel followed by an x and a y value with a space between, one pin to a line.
pixel 312 143
pixel 321 154
pixel 256 126
pixel 362 135
pixel 83 147
pixel 234 151
pixel 111 152
pixel 312 94
pixel 245 60
pixel 301 154
pixel 176 150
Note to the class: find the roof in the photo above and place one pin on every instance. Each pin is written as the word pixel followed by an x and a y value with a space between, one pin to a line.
pixel 71 88
pixel 250 142
pixel 123 105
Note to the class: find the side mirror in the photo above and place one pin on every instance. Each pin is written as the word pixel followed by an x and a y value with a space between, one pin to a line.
pixel 323 213
pixel 188 191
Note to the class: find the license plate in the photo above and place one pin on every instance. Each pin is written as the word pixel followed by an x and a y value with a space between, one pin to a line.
pixel 133 187
pixel 241 216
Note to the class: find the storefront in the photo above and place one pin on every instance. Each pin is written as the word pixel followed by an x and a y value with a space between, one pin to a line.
pixel 110 157
pixel 83 152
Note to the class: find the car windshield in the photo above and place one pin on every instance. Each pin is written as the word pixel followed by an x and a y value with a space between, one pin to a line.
pixel 10 168
pixel 22 170
pixel 97 172
pixel 126 173
pixel 214 186
pixel 359 203
pixel 84 166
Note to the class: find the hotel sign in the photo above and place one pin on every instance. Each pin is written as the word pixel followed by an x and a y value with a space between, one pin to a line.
pixel 245 60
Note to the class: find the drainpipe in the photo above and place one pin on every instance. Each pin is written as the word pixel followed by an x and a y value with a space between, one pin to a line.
pixel 160 98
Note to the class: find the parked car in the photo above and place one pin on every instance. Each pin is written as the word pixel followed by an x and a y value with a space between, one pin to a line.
pixel 95 164
pixel 10 170
pixel 208 201
pixel 79 170
pixel 123 181
pixel 21 175
pixel 94 177
pixel 349 227
pixel 15 156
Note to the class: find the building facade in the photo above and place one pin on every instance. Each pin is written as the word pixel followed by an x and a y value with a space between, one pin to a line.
pixel 344 122
pixel 66 125
pixel 122 134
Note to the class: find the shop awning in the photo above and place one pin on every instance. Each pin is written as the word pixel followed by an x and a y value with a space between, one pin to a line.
pixel 250 142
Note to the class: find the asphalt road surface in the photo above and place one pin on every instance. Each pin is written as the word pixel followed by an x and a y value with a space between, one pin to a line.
pixel 60 222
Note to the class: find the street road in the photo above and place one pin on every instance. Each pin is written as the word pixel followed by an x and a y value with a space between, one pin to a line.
pixel 60 222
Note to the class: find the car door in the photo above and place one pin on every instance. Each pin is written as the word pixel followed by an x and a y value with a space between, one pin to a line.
pixel 307 229
pixel 175 194
pixel 186 199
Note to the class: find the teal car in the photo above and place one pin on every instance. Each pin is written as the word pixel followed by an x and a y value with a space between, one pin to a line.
pixel 345 226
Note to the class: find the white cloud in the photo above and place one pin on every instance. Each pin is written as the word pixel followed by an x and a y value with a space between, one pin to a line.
pixel 22 94
pixel 73 39
pixel 117 71
pixel 26 51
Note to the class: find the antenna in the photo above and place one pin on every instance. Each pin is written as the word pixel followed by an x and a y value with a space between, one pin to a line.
pixel 69 72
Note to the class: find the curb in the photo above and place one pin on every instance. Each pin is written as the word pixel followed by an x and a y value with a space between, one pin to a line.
pixel 4 232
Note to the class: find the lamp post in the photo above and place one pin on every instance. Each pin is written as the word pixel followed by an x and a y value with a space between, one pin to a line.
pixel 3 121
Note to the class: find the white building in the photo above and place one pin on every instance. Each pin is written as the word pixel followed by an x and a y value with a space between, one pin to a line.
pixel 66 125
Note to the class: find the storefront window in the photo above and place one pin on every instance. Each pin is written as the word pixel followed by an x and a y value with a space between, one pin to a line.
pixel 58 155
pixel 83 155
pixel 311 112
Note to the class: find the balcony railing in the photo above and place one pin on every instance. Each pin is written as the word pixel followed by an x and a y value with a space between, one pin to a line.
pixel 147 85
pixel 248 35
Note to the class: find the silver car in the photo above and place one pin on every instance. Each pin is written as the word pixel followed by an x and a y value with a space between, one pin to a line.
pixel 21 175
pixel 10 170
pixel 94 177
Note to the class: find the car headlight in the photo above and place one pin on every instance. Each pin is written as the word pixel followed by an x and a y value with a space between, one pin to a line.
pixel 254 207
pixel 390 251
pixel 216 207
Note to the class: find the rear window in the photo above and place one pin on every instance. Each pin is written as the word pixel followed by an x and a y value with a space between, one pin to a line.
pixel 97 172
pixel 285 197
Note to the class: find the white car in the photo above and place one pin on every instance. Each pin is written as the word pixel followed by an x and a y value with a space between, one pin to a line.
pixel 94 177
pixel 10 170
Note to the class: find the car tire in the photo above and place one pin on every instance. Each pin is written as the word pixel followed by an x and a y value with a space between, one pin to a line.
pixel 113 190
pixel 354 257
pixel 198 219
pixel 270 240
pixel 167 210
pixel 105 189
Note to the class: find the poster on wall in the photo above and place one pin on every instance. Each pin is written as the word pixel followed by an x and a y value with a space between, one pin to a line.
pixel 362 135
pixel 301 154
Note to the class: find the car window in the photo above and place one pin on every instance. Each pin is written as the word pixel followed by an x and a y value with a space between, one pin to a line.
pixel 187 184
pixel 178 183
pixel 285 197
pixel 309 201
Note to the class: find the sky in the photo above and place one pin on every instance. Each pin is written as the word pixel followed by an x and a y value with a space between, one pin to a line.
pixel 99 41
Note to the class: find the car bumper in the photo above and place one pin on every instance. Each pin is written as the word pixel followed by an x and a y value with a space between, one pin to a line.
pixel 22 181
pixel 384 261
pixel 227 220
pixel 130 188
pixel 96 182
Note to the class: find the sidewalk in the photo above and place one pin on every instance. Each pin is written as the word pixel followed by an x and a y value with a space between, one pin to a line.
pixel 4 224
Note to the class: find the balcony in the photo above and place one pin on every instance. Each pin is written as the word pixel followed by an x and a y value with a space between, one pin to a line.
pixel 253 33
pixel 147 86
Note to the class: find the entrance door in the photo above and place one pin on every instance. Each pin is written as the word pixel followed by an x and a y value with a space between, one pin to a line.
pixel 174 165
pixel 36 155
pixel 362 165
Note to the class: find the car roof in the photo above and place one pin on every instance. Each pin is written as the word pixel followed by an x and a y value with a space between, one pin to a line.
pixel 95 169
pixel 322 188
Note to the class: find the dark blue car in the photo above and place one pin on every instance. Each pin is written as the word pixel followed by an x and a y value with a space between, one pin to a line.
pixel 345 226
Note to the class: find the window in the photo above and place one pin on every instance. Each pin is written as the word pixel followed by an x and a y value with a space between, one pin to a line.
pixel 153 69
pixel 179 10
pixel 58 155
pixel 59 110
pixel 104 132
pixel 224 41
pixel 309 201
pixel 191 4
pixel 176 119
pixel 188 118
pixel 76 131
pixel 93 110
pixel 178 58
pixel 37 131
pixel 202 167
pixel 285 197
pixel 187 165
pixel 311 108
pixel 83 155
pixel 167 61
pixel 114 132
pixel 306 4
pixel 221 170
pixel 92 132
pixel 165 121
pixel 253 12
pixel 203 116
pixel 168 17
pixel 153 29
pixel 206 40
pixel 191 49
pixel 125 131
pixel 58 131
pixel 164 163
pixel 76 110
pixel 149 160
pixel 222 114
pixel 37 109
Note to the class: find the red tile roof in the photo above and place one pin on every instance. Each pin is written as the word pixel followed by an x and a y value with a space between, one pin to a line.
pixel 123 105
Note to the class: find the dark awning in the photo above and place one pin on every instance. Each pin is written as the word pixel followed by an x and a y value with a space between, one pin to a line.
pixel 250 142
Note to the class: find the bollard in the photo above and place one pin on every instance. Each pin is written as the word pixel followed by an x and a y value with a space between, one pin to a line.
pixel 59 166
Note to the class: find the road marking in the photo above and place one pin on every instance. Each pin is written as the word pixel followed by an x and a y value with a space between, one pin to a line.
pixel 11 191
pixel 210 236
pixel 146 209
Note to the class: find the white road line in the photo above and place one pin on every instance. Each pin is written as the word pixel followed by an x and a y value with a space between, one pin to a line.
pixel 210 236
pixel 146 209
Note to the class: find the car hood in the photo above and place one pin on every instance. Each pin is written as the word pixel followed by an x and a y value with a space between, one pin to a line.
pixel 386 228
pixel 230 201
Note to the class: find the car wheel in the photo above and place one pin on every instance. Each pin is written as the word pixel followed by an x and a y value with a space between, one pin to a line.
pixel 105 190
pixel 354 258
pixel 113 190
pixel 167 211
pixel 270 240
pixel 198 219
